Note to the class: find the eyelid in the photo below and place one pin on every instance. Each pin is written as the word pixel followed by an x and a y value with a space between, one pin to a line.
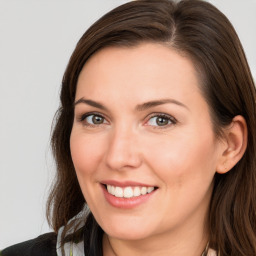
pixel 164 115
pixel 81 117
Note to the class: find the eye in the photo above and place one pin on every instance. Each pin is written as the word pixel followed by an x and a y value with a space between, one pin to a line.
pixel 161 120
pixel 93 119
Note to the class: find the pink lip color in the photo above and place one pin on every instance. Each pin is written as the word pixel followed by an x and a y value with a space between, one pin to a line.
pixel 125 183
pixel 125 203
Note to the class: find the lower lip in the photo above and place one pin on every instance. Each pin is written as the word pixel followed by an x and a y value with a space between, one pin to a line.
pixel 126 203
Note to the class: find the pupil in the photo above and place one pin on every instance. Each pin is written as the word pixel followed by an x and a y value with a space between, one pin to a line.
pixel 97 120
pixel 162 121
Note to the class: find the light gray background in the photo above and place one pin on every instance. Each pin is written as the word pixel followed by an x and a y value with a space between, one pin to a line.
pixel 37 38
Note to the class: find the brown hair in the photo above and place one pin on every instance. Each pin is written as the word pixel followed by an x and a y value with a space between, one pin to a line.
pixel 202 33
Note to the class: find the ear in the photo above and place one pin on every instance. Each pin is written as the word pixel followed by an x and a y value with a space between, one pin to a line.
pixel 234 146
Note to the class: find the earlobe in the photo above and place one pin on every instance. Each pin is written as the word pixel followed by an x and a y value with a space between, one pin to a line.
pixel 235 136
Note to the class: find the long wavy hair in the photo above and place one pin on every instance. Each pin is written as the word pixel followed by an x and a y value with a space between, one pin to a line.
pixel 201 32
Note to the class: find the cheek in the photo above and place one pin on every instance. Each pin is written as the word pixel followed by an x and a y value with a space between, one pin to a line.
pixel 178 159
pixel 86 152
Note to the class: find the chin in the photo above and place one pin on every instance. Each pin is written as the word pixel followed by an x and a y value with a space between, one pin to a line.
pixel 128 230
pixel 131 235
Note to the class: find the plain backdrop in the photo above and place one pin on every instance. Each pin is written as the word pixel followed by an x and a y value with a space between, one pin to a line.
pixel 37 38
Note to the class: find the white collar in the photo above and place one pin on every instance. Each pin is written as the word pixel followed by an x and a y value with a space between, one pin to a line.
pixel 211 252
pixel 70 248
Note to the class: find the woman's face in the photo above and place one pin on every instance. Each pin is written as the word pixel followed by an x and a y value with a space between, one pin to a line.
pixel 142 142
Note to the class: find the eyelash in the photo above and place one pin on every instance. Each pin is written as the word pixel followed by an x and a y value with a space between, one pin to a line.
pixel 84 116
pixel 169 118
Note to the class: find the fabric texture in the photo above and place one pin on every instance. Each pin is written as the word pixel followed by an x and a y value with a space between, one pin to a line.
pixel 49 245
pixel 44 245
pixel 70 249
pixel 211 253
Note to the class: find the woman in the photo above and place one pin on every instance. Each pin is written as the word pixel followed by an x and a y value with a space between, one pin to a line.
pixel 154 140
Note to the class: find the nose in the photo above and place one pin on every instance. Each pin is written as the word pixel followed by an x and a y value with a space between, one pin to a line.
pixel 123 150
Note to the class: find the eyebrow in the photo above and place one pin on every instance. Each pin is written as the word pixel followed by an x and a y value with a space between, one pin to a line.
pixel 140 107
pixel 90 103
pixel 154 103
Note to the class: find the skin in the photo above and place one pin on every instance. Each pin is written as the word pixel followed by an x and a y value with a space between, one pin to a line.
pixel 179 158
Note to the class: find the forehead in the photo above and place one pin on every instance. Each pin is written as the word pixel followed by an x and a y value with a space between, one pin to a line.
pixel 144 71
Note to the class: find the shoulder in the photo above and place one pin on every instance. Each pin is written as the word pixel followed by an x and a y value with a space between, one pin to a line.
pixel 44 245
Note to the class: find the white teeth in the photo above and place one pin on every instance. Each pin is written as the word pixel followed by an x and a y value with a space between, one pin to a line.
pixel 112 191
pixel 128 192
pixel 119 192
pixel 136 191
pixel 143 191
pixel 150 189
pixel 109 188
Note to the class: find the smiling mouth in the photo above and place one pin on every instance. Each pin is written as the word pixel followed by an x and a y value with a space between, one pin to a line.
pixel 129 191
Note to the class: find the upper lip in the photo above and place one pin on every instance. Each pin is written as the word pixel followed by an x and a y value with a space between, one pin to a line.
pixel 125 183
